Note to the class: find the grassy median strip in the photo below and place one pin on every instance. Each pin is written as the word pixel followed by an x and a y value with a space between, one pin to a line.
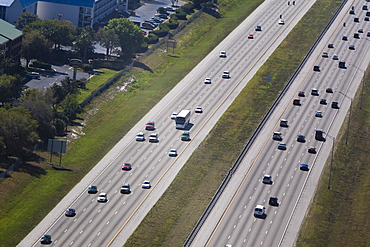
pixel 33 191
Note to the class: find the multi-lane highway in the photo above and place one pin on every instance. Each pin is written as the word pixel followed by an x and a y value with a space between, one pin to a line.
pixel 232 221
pixel 111 223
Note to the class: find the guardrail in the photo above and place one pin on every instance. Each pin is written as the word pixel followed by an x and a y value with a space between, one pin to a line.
pixel 224 183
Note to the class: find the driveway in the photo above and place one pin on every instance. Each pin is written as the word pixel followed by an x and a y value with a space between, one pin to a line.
pixel 49 77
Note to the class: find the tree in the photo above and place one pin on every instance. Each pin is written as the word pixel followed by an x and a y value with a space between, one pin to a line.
pixel 5 62
pixel 85 43
pixel 26 18
pixel 10 88
pixel 67 86
pixel 18 130
pixel 35 46
pixel 108 39
pixel 130 35
pixel 70 108
pixel 40 104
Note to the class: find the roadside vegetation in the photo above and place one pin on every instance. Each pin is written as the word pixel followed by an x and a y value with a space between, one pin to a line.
pixel 32 191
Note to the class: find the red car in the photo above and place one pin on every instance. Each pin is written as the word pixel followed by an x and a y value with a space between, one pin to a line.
pixel 250 36
pixel 301 94
pixel 150 126
pixel 126 166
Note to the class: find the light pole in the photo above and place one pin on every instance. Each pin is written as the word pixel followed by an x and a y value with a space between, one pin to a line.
pixel 331 160
pixel 349 116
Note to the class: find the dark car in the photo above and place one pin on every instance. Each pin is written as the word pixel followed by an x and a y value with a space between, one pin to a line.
pixel 356 35
pixel 250 36
pixel 301 94
pixel 126 166
pixel 46 239
pixel 185 136
pixel 334 105
pixel 150 126
pixel 93 189
pixel 273 201
pixel 330 45
pixel 345 38
pixel 356 19
pixel 125 189
pixel 351 12
pixel 258 28
pixel 70 212
pixel 329 90
pixel 316 68
pixel 303 167
pixel 323 102
pixel 351 47
pixel 312 150
pixel 296 102
pixel 301 138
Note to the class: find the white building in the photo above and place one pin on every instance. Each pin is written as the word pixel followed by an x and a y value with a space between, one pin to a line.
pixel 80 12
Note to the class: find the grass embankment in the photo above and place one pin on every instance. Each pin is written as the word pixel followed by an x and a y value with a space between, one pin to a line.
pixel 101 76
pixel 340 216
pixel 41 187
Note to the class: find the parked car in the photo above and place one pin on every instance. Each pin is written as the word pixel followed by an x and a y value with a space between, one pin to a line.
pixel 33 75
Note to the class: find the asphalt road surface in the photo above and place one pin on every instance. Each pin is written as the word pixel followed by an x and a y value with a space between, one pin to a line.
pixel 232 221
pixel 111 223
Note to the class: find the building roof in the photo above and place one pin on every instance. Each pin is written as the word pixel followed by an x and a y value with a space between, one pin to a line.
pixel 26 3
pixel 8 31
pixel 81 3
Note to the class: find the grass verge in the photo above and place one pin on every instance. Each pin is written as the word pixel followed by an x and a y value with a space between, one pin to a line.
pixel 31 192
pixel 339 216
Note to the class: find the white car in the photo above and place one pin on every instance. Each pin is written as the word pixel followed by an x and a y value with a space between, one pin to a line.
pixel 267 179
pixel 318 114
pixel 146 185
pixel 281 22
pixel 222 54
pixel 259 211
pixel 207 81
pixel 226 74
pixel 198 110
pixel 140 137
pixel 173 153
pixel 153 137
pixel 173 116
pixel 102 197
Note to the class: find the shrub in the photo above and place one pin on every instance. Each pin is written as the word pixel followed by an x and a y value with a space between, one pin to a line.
pixel 188 8
pixel 41 65
pixel 181 15
pixel 162 31
pixel 152 38
pixel 172 24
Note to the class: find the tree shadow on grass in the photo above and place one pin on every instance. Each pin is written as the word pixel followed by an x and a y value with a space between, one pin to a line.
pixel 142 66
pixel 32 170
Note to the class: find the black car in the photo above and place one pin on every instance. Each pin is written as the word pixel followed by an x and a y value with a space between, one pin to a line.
pixel 273 201
pixel 334 105
pixel 301 138
pixel 46 239
pixel 323 102
pixel 92 189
